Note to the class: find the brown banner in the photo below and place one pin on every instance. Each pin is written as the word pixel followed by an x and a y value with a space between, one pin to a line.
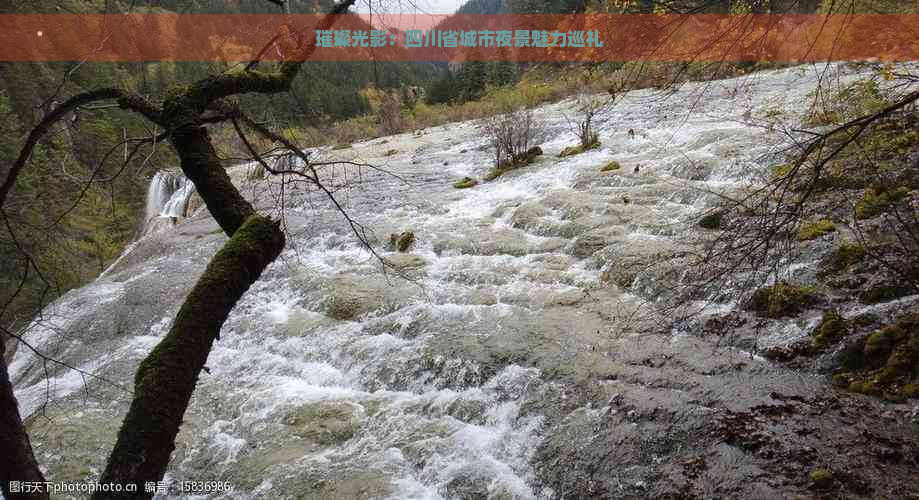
pixel 588 37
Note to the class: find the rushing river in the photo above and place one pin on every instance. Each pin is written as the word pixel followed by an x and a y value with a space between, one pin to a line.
pixel 443 376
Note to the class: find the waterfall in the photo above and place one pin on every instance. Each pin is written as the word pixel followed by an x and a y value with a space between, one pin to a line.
pixel 167 196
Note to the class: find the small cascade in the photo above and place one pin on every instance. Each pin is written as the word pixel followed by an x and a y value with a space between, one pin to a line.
pixel 167 198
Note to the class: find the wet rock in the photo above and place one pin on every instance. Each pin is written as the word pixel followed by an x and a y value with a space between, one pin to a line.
pixel 79 439
pixel 528 214
pixel 589 243
pixel 346 485
pixel 349 297
pixel 487 240
pixel 405 261
pixel 194 203
pixel 324 423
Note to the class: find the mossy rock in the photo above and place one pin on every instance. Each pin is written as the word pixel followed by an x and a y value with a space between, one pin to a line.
pixel 711 221
pixel 781 300
pixel 884 292
pixel 391 152
pixel 822 479
pixel 886 362
pixel 465 182
pixel 338 147
pixel 815 230
pixel 612 166
pixel 878 200
pixel 576 150
pixel 831 329
pixel 842 258
pixel 323 423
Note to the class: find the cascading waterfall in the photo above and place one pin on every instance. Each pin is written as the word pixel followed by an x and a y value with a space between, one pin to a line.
pixel 167 196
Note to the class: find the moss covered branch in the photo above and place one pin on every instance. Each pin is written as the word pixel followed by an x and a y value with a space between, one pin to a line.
pixel 125 101
pixel 166 379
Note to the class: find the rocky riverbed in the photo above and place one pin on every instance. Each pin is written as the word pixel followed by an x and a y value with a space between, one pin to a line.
pixel 513 350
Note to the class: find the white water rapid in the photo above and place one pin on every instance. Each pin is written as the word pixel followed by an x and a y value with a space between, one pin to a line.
pixel 498 337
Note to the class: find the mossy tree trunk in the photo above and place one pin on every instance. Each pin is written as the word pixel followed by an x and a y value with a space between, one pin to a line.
pixel 166 379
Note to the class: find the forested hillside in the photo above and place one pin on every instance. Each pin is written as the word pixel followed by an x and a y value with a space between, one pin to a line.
pixel 73 242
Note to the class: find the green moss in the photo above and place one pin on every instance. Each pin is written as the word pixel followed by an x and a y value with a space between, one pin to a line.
pixel 782 170
pixel 884 292
pixel 885 362
pixel 815 230
pixel 339 147
pixel 822 479
pixel 782 299
pixel 878 200
pixel 832 328
pixel 879 344
pixel 711 221
pixel 611 166
pixel 843 257
pixel 465 182
pixel 911 390
pixel 580 148
pixel 391 152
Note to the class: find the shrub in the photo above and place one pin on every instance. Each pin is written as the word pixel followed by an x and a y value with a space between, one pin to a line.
pixel 511 134
pixel 389 114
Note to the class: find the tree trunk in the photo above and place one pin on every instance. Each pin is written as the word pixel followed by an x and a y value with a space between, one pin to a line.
pixel 17 463
pixel 166 379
